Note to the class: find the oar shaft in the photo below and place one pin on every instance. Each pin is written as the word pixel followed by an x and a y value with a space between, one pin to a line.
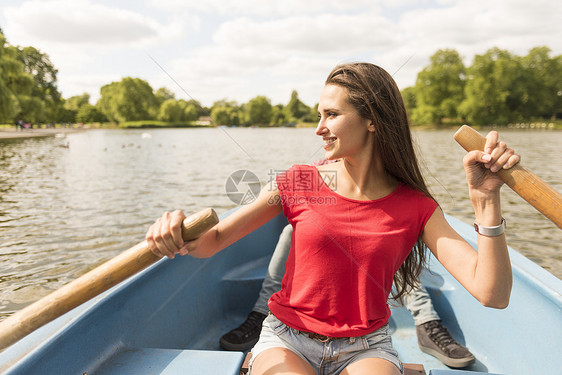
pixel 94 283
pixel 524 182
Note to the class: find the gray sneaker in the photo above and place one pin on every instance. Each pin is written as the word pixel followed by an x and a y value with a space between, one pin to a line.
pixel 435 340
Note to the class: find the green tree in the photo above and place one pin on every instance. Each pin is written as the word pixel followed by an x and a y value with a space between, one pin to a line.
pixel 15 85
pixel 495 90
pixel 295 109
pixel 278 115
pixel 71 107
pixel 409 97
pixel 225 112
pixel 45 89
pixel 544 83
pixel 259 111
pixel 192 110
pixel 89 113
pixel 64 115
pixel 172 110
pixel 28 84
pixel 32 108
pixel 226 115
pixel 439 88
pixel 9 105
pixel 556 108
pixel 312 115
pixel 130 99
pixel 221 115
pixel 163 94
pixel 74 103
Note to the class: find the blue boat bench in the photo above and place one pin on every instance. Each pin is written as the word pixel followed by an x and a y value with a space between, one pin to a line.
pixel 173 362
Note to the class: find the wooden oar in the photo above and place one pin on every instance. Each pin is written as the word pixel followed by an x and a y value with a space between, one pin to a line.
pixel 94 283
pixel 524 182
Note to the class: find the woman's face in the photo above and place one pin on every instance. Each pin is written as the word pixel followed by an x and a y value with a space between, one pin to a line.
pixel 344 131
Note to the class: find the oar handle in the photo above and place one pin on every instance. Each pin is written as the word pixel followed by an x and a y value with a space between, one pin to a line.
pixel 524 182
pixel 94 283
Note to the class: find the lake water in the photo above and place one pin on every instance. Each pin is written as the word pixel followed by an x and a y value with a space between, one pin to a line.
pixel 69 204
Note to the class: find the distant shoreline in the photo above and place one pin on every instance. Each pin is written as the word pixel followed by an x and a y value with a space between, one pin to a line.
pixel 9 132
pixel 35 133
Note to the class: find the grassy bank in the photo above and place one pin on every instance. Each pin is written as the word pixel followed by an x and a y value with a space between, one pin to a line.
pixel 538 124
pixel 146 124
pixel 531 125
pixel 159 124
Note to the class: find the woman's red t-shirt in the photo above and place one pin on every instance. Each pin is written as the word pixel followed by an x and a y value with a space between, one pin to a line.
pixel 344 253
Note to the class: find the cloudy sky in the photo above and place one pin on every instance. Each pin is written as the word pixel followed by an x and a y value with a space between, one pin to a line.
pixel 217 49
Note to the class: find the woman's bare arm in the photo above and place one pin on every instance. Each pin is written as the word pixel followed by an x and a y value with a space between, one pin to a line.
pixel 485 273
pixel 164 236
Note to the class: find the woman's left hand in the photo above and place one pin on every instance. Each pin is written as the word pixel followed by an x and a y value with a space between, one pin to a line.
pixel 481 167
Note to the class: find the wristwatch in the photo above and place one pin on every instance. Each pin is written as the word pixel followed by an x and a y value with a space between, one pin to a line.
pixel 490 231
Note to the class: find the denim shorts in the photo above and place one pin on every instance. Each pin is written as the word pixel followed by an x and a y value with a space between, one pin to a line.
pixel 330 357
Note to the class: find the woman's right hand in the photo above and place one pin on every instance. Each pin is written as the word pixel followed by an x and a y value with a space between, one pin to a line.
pixel 164 237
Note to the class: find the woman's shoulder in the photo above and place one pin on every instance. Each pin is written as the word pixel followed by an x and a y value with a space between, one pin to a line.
pixel 407 189
pixel 295 168
pixel 416 195
pixel 325 165
pixel 287 178
pixel 320 165
pixel 302 179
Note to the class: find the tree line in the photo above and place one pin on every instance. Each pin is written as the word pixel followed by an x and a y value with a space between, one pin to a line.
pixel 498 88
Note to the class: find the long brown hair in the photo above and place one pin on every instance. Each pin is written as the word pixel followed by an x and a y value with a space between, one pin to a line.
pixel 375 95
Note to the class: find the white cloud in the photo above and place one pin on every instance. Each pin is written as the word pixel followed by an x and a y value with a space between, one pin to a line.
pixel 220 72
pixel 213 73
pixel 90 44
pixel 326 33
pixel 477 25
pixel 82 22
pixel 262 8
pixel 304 74
pixel 251 57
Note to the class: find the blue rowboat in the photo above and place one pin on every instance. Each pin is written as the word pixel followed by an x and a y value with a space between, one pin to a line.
pixel 168 319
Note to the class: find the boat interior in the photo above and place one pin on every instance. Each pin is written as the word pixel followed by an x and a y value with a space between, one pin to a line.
pixel 168 320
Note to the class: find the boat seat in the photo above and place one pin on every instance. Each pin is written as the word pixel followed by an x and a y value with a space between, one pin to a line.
pixel 172 362
pixel 409 368
pixel 241 287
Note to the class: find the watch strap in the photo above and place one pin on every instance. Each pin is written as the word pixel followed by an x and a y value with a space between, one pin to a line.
pixel 490 231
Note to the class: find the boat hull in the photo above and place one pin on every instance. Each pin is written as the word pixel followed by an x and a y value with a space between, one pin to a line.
pixel 168 319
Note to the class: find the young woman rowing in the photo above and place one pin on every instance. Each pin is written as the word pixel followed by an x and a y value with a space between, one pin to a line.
pixel 356 233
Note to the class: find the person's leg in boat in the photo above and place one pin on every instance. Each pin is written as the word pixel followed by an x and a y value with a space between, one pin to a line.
pixel 280 361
